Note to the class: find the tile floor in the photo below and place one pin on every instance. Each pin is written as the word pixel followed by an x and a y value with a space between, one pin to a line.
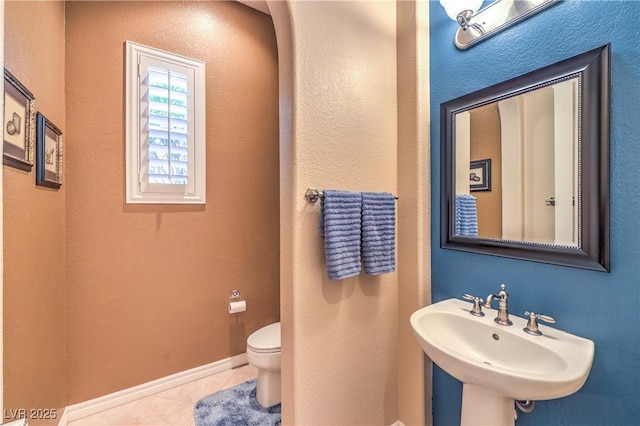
pixel 173 407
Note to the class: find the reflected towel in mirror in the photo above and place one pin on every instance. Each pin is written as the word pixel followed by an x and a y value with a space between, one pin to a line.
pixel 466 216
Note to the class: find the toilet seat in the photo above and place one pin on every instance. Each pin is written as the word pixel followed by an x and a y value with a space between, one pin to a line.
pixel 265 340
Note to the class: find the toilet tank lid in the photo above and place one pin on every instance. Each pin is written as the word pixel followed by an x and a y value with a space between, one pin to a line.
pixel 267 337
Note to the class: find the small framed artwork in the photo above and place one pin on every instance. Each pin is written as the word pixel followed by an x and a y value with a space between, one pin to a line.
pixel 480 175
pixel 48 153
pixel 18 124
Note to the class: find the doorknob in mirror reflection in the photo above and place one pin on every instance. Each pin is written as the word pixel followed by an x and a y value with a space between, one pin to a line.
pixel 476 25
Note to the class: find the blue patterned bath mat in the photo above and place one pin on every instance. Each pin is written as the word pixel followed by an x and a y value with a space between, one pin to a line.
pixel 234 407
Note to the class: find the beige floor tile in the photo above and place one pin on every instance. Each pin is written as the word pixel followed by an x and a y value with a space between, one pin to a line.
pixel 112 416
pixel 241 375
pixel 194 391
pixel 155 411
pixel 173 407
pixel 161 411
pixel 182 416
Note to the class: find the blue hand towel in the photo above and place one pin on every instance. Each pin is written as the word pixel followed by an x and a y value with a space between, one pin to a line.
pixel 466 216
pixel 340 221
pixel 378 232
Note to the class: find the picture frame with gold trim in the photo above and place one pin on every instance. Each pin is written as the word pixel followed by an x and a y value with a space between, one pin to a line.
pixel 18 124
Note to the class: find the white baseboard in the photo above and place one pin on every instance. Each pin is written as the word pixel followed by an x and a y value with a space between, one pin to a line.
pixel 19 422
pixel 64 418
pixel 93 406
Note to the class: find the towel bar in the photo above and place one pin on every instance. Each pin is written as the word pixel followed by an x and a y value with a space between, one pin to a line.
pixel 312 195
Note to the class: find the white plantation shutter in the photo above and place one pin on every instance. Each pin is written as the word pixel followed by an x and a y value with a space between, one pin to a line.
pixel 165 127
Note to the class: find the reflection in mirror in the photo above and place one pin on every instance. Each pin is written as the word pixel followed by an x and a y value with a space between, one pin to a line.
pixel 526 146
pixel 526 166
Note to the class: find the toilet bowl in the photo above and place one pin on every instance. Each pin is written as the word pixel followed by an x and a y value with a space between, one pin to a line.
pixel 263 352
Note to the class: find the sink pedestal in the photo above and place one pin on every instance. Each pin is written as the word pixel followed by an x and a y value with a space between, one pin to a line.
pixel 484 406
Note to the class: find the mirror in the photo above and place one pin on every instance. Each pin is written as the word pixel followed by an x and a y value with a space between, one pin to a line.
pixel 526 166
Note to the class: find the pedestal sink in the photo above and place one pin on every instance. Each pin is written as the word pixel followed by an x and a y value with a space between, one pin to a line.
pixel 499 364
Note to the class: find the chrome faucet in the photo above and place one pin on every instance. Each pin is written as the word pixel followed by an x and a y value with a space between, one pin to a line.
pixel 503 311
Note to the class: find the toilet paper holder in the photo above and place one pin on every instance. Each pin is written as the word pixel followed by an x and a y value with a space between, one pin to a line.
pixel 235 295
pixel 236 304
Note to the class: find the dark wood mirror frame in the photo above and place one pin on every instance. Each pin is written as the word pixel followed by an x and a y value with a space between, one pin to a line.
pixel 593 70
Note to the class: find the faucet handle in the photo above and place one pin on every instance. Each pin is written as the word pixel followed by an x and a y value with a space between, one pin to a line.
pixel 532 325
pixel 477 307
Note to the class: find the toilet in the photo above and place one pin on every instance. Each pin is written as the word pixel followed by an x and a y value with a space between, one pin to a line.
pixel 263 352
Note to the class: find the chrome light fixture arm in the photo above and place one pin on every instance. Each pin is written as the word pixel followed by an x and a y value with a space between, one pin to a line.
pixel 494 18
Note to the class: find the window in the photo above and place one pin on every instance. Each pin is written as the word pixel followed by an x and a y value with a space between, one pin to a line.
pixel 165 142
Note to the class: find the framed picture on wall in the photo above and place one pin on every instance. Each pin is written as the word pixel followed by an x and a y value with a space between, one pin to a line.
pixel 48 153
pixel 18 124
pixel 480 175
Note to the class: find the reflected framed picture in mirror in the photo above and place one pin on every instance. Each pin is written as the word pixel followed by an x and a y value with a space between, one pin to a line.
pixel 480 175
pixel 18 124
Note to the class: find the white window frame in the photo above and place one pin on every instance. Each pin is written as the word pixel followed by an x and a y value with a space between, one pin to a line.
pixel 138 189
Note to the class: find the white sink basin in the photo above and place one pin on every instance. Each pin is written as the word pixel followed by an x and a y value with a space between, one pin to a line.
pixel 504 360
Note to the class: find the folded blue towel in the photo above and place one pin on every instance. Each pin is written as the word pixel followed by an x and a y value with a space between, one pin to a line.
pixel 466 216
pixel 378 232
pixel 340 222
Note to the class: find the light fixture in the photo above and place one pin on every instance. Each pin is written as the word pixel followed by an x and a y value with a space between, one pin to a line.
pixel 476 25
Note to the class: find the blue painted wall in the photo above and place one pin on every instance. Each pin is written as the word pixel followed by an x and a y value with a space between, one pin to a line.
pixel 604 307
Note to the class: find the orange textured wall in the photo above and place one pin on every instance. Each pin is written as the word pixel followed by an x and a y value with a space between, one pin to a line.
pixel 147 286
pixel 34 223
